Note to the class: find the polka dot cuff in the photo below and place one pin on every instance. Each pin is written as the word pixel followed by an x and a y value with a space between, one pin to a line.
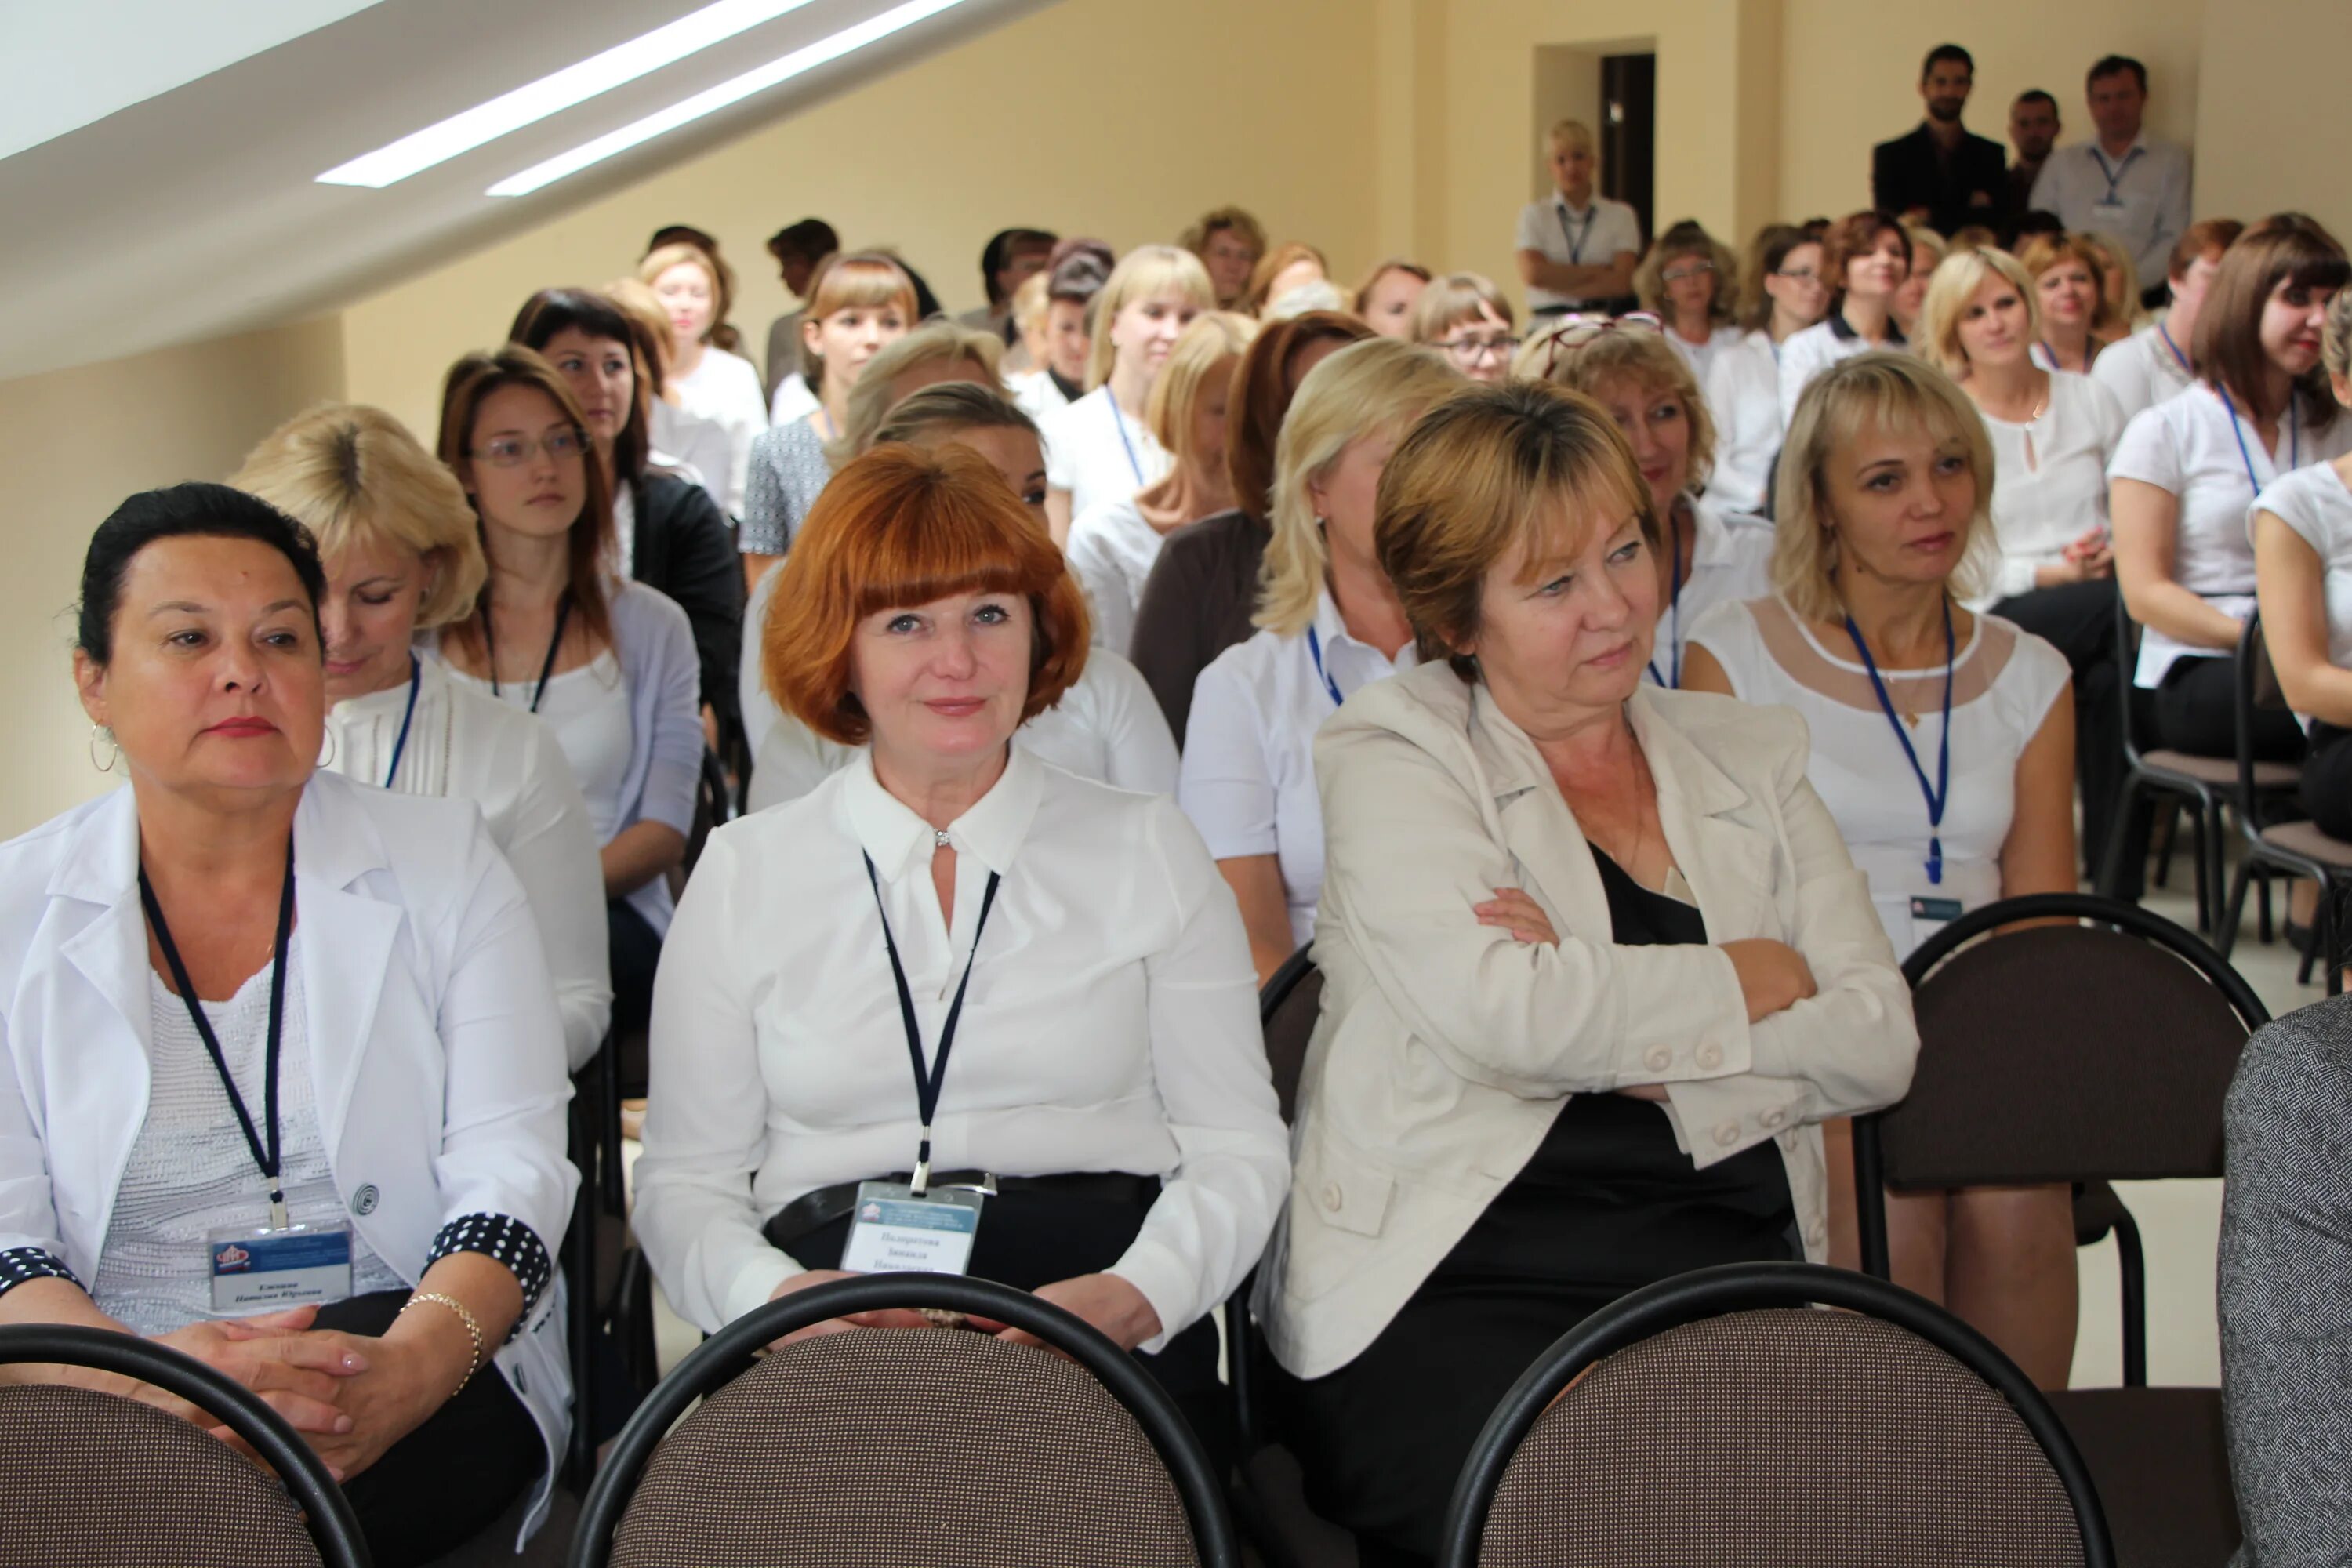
pixel 505 1239
pixel 23 1265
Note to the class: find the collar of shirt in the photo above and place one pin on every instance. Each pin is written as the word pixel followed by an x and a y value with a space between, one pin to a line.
pixel 1836 324
pixel 992 830
pixel 1339 646
pixel 1581 214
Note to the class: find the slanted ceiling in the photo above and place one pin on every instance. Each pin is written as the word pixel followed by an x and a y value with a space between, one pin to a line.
pixel 195 211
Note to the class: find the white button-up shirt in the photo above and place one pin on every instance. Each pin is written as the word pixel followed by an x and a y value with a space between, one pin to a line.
pixel 2144 370
pixel 2141 198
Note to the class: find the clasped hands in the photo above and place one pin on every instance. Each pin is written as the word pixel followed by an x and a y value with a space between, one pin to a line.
pixel 1106 1301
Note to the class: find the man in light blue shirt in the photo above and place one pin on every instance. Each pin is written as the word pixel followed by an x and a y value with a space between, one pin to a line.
pixel 2121 182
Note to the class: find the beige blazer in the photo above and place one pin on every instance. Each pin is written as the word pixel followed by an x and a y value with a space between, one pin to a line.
pixel 1445 1047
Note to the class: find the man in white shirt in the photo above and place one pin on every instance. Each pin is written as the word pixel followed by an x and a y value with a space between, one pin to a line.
pixel 2120 182
pixel 1578 249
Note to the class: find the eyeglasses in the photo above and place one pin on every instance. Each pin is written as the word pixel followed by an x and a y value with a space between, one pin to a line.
pixel 513 451
pixel 1573 333
pixel 1801 274
pixel 1686 271
pixel 1470 350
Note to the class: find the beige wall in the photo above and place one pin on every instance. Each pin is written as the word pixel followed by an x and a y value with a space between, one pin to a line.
pixel 84 438
pixel 2274 84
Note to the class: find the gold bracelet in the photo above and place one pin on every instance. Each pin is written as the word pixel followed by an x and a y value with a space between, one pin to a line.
pixel 473 1331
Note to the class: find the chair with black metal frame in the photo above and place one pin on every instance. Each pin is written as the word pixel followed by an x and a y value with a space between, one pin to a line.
pixel 2294 846
pixel 101 1479
pixel 884 1447
pixel 1720 1416
pixel 2081 1054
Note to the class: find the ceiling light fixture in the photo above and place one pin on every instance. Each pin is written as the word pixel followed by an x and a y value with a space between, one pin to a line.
pixel 553 94
pixel 713 99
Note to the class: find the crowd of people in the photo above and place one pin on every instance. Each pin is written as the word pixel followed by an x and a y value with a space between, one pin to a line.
pixel 1611 700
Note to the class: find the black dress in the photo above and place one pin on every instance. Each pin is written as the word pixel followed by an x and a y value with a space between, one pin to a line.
pixel 1606 1204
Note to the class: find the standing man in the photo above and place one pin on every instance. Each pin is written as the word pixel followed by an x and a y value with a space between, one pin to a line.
pixel 2033 131
pixel 797 248
pixel 1577 250
pixel 1940 174
pixel 1012 256
pixel 2123 182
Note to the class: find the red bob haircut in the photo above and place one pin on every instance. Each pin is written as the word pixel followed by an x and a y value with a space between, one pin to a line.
pixel 895 528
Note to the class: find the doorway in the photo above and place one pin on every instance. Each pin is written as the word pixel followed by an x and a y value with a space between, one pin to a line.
pixel 1629 133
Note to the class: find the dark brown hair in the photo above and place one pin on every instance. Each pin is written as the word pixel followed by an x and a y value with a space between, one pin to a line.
pixel 1857 234
pixel 1263 384
pixel 2227 345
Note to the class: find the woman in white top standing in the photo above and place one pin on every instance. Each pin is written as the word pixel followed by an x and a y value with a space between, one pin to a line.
pixel 1689 280
pixel 1329 625
pixel 1865 257
pixel 1649 393
pixel 402 554
pixel 1112 546
pixel 711 383
pixel 1099 447
pixel 1783 293
pixel 1943 745
pixel 1080 983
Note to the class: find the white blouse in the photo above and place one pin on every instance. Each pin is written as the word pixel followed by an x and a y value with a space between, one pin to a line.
pixel 2050 478
pixel 2313 500
pixel 1112 550
pixel 725 389
pixel 588 709
pixel 1097 454
pixel 1035 395
pixel 1701 357
pixel 1728 562
pixel 1248 776
pixel 1808 353
pixel 1106 727
pixel 465 744
pixel 1743 394
pixel 692 443
pixel 2211 462
pixel 2144 370
pixel 1110 1024
pixel 2003 681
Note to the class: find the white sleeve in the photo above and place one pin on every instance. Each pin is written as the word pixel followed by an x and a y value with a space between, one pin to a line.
pixel 2122 372
pixel 2106 411
pixel 1529 236
pixel 792 760
pixel 1113 617
pixel 1225 783
pixel 1797 368
pixel 1061 449
pixel 1136 738
pixel 552 849
pixel 1728 632
pixel 2285 499
pixel 2148 452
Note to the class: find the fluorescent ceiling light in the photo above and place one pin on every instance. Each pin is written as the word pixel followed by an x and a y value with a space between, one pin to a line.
pixel 553 94
pixel 718 98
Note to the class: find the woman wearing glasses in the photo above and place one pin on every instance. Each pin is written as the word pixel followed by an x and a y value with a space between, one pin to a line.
pixel 607 663
pixel 1465 318
pixel 1865 257
pixel 1689 281
pixel 1784 295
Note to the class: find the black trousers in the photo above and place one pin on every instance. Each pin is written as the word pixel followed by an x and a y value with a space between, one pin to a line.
pixel 2196 710
pixel 634 950
pixel 2327 780
pixel 450 1479
pixel 2079 620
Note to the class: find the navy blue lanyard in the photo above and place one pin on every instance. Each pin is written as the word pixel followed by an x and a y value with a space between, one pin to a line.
pixel 1940 793
pixel 2090 354
pixel 1315 648
pixel 414 673
pixel 1119 421
pixel 2238 428
pixel 1576 237
pixel 555 644
pixel 1674 602
pixel 929 1081
pixel 2114 176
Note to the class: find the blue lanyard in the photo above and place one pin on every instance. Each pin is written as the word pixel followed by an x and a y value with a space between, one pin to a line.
pixel 2090 354
pixel 1576 237
pixel 2177 357
pixel 1941 792
pixel 1674 604
pixel 2114 176
pixel 407 713
pixel 1119 421
pixel 2238 428
pixel 1315 647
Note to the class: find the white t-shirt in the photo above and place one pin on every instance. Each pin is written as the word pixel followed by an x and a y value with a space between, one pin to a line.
pixel 2313 500
pixel 1035 394
pixel 1701 357
pixel 2003 681
pixel 794 400
pixel 1808 353
pixel 1727 564
pixel 1593 236
pixel 2050 478
pixel 700 447
pixel 1112 550
pixel 2211 463
pixel 1743 394
pixel 588 709
pixel 1248 776
pixel 1099 454
pixel 724 389
pixel 2144 370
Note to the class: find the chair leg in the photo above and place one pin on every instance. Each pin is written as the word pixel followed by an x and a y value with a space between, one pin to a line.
pixel 2166 831
pixel 2111 859
pixel 2199 843
pixel 2264 907
pixel 2132 1265
pixel 2328 942
pixel 2320 923
pixel 2227 937
pixel 608 1121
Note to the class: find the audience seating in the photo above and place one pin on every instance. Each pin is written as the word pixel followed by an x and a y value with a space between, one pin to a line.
pixel 1718 1418
pixel 2073 1053
pixel 882 1447
pixel 2296 846
pixel 97 1480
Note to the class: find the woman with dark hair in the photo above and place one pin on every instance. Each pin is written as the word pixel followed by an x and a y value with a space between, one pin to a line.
pixel 1865 257
pixel 281 1076
pixel 1782 293
pixel 669 534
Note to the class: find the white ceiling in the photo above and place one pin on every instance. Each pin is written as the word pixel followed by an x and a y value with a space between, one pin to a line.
pixel 185 211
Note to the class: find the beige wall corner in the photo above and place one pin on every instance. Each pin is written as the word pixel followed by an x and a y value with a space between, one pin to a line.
pixel 1756 119
pixel 2268 111
pixel 86 439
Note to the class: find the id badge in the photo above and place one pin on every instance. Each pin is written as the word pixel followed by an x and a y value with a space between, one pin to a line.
pixel 892 1231
pixel 1931 915
pixel 258 1270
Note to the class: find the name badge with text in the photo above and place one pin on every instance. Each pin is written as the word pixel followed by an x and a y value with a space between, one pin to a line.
pixel 891 1231
pixel 257 1269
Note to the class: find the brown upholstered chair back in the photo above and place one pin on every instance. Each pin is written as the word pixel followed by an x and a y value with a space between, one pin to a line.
pixel 1780 1438
pixel 2060 1054
pixel 1289 1028
pixel 879 1447
pixel 94 1480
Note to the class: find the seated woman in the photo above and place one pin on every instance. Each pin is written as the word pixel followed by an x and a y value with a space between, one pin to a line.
pixel 1689 281
pixel 1101 446
pixel 1108 1071
pixel 1865 257
pixel 712 383
pixel 1465 318
pixel 1329 625
pixel 1112 547
pixel 1386 298
pixel 2069 277
pixel 1284 270
pixel 402 553
pixel 178 1080
pixel 1928 251
pixel 1943 746
pixel 1524 1100
pixel 2152 365
pixel 1648 390
pixel 1063 343
pixel 608 664
pixel 1105 726
pixel 1783 294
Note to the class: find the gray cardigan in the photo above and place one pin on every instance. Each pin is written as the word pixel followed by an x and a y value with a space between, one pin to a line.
pixel 2286 1290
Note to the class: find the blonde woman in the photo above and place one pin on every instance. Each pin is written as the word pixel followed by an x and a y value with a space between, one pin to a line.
pixel 1782 293
pixel 1112 547
pixel 711 383
pixel 2070 296
pixel 402 554
pixel 1943 745
pixel 2118 285
pixel 1101 446
pixel 1689 281
pixel 1328 624
pixel 1465 318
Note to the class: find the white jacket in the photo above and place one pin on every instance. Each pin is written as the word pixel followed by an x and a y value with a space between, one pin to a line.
pixel 1446 1048
pixel 436 1047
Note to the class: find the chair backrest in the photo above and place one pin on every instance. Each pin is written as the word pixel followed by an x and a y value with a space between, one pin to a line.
pixel 1288 1008
pixel 2257 690
pixel 1718 1418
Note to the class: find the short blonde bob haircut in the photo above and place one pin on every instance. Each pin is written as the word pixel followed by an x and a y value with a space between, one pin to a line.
pixel 1567 135
pixel 937 341
pixel 1453 299
pixel 1377 387
pixel 1882 390
pixel 852 280
pixel 900 527
pixel 356 478
pixel 1950 292
pixel 1142 273
pixel 1523 467
pixel 1212 340
pixel 1625 353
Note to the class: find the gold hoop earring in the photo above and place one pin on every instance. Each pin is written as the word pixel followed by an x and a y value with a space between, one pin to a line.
pixel 114 748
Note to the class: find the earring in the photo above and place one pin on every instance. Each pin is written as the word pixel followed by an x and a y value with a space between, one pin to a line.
pixel 113 750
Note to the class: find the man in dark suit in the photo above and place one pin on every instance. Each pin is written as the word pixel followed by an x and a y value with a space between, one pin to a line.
pixel 1940 174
